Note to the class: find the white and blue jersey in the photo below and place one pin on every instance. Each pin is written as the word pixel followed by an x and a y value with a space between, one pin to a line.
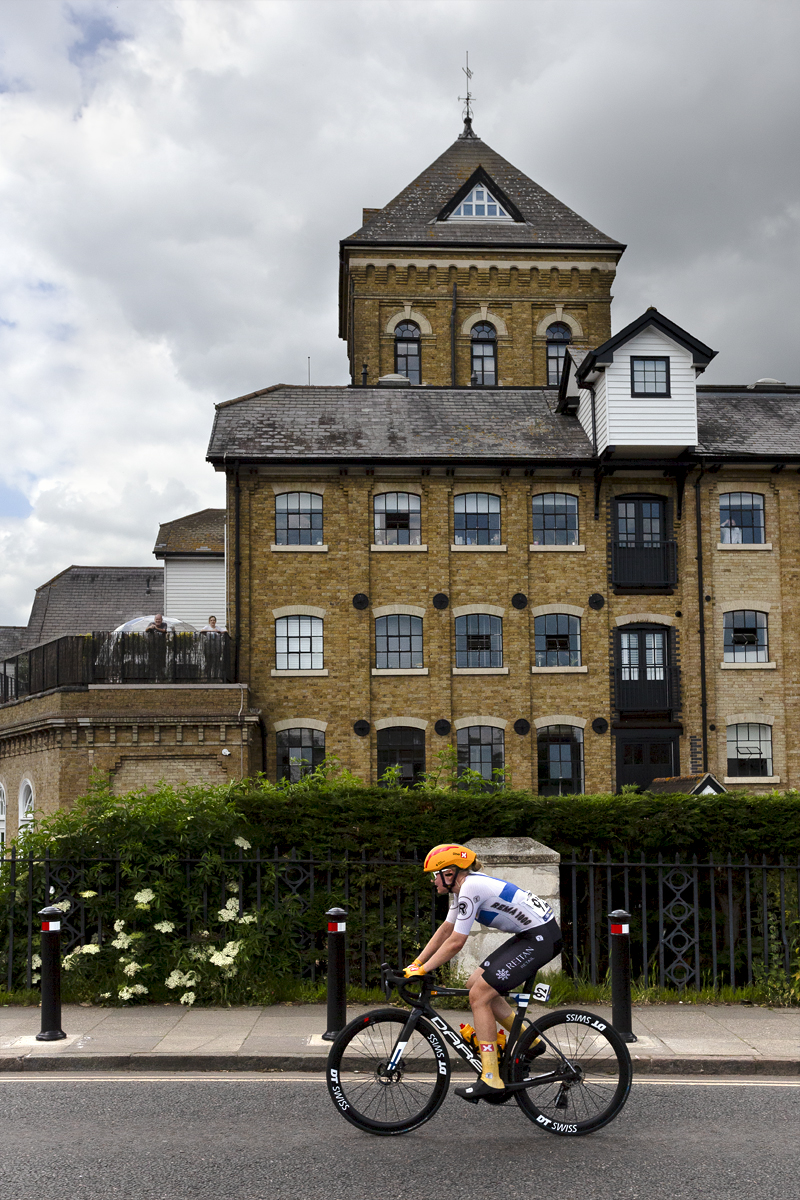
pixel 497 904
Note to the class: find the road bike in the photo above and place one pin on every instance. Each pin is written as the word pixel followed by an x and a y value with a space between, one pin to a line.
pixel 389 1070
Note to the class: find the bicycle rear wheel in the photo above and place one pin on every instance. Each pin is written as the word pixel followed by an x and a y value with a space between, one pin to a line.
pixel 597 1090
pixel 374 1097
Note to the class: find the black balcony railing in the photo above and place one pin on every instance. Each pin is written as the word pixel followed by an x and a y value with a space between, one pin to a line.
pixel 644 564
pixel 117 658
pixel 654 689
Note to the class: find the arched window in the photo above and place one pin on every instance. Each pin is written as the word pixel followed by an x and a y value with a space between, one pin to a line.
pixel 555 519
pixel 398 521
pixel 402 746
pixel 300 751
pixel 298 644
pixel 560 752
pixel 745 636
pixel 479 640
pixel 476 519
pixel 407 358
pixel 398 642
pixel 559 336
pixel 481 748
pixel 2 816
pixel 298 519
pixel 558 640
pixel 484 355
pixel 741 518
pixel 749 750
pixel 26 802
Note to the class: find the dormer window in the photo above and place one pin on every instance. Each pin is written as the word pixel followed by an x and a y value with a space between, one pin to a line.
pixel 480 205
pixel 649 376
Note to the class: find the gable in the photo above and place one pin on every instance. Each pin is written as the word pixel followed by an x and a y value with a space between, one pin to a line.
pixel 480 198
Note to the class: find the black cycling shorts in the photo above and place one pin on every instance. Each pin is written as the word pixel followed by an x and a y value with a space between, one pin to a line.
pixel 521 957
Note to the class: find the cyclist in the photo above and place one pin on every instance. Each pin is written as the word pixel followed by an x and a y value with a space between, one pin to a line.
pixel 498 904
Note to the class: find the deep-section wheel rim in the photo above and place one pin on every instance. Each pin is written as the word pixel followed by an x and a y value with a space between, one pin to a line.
pixel 602 1080
pixel 375 1098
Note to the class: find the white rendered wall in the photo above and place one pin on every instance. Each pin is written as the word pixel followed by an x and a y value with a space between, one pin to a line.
pixel 668 422
pixel 194 588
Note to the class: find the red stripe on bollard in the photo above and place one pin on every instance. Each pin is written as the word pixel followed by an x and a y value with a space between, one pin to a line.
pixel 50 926
pixel 620 928
pixel 336 927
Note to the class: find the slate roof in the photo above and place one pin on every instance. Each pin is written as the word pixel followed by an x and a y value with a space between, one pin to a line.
pixel 411 217
pixel 200 533
pixel 12 639
pixel 403 423
pixel 741 420
pixel 85 599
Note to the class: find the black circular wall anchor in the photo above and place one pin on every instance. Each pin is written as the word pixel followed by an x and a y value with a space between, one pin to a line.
pixel 600 725
pixel 522 727
pixel 361 728
pixel 442 727
pixel 596 601
pixel 441 601
pixel 519 600
pixel 678 613
pixel 712 728
pixel 360 601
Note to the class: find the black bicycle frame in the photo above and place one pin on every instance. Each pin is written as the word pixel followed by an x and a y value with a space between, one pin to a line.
pixel 420 1007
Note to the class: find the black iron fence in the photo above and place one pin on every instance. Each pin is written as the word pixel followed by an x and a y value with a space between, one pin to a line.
pixel 148 657
pixel 693 924
pixel 643 564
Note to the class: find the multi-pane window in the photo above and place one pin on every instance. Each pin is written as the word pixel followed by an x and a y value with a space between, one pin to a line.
pixel 476 519
pixel 640 522
pixel 558 640
pixel 642 654
pixel 559 336
pixel 300 751
pixel 749 749
pixel 560 753
pixel 398 641
pixel 298 643
pixel 555 520
pixel 480 204
pixel 403 746
pixel 484 355
pixel 26 801
pixel 649 376
pixel 398 519
pixel 745 636
pixel 479 640
pixel 741 518
pixel 481 748
pixel 298 519
pixel 407 351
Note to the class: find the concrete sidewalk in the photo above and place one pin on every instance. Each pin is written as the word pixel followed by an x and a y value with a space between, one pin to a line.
pixel 684 1039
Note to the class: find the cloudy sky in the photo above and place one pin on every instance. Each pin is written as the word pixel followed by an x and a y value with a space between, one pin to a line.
pixel 175 176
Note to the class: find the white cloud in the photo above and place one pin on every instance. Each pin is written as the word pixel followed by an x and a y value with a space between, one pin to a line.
pixel 175 178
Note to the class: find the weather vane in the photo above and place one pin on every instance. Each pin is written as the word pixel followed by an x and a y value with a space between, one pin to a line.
pixel 467 100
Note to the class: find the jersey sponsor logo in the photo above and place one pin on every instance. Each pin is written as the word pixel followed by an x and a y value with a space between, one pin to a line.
pixel 465 907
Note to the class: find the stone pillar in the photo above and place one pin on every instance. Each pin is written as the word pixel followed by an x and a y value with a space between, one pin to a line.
pixel 531 866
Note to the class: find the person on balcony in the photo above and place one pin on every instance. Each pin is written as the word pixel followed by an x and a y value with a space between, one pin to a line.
pixel 212 626
pixel 158 624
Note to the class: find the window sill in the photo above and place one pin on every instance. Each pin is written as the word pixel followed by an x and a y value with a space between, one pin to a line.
pixel 573 549
pixel 559 670
pixel 747 666
pixel 479 549
pixel 480 670
pixel 312 671
pixel 399 670
pixel 302 549
pixel 398 549
pixel 744 545
pixel 751 779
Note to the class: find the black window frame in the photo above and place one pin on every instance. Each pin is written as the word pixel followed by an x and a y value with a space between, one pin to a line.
pixel 286 634
pixel 551 627
pixel 555 528
pixel 483 333
pixel 298 734
pixel 285 535
pixel 558 343
pixel 738 766
pixel 408 751
pixel 645 358
pixel 403 337
pixel 413 527
pixel 564 736
pixel 472 630
pixel 494 536
pixel 394 641
pixel 480 736
pixel 743 630
pixel 725 531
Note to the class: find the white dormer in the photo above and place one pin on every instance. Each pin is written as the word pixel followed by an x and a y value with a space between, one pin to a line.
pixel 637 393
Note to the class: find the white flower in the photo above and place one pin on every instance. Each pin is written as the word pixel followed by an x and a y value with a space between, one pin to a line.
pixel 231 948
pixel 87 895
pixel 243 842
pixel 131 969
pixel 105 995
pixel 188 998
pixel 181 979
pixel 122 942
pixel 231 910
pixel 164 926
pixel 139 989
pixel 125 993
pixel 144 896
pixel 218 959
pixel 90 948
pixel 119 926
pixel 196 952
pixel 232 887
pixel 35 978
pixel 247 919
pixel 36 961
pixel 63 905
pixel 68 962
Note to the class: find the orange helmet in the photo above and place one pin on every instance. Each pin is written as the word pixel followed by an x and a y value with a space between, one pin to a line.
pixel 449 855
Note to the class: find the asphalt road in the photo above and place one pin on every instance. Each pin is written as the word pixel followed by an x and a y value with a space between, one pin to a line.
pixel 235 1138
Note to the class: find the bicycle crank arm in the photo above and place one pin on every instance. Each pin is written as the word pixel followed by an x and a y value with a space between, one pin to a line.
pixel 536 1080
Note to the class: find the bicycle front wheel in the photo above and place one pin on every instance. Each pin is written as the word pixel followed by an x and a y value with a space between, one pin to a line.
pixel 593 1087
pixel 376 1097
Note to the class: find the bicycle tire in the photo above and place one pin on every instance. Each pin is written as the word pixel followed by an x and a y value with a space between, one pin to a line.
pixel 571 1109
pixel 360 1086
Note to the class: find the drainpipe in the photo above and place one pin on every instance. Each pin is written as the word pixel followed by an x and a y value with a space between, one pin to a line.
pixel 237 581
pixel 702 611
pixel 262 729
pixel 453 338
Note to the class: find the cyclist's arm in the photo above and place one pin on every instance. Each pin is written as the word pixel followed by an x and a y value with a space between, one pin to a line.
pixel 443 933
pixel 449 945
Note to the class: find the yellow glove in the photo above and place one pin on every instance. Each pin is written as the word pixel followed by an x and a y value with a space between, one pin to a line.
pixel 416 968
